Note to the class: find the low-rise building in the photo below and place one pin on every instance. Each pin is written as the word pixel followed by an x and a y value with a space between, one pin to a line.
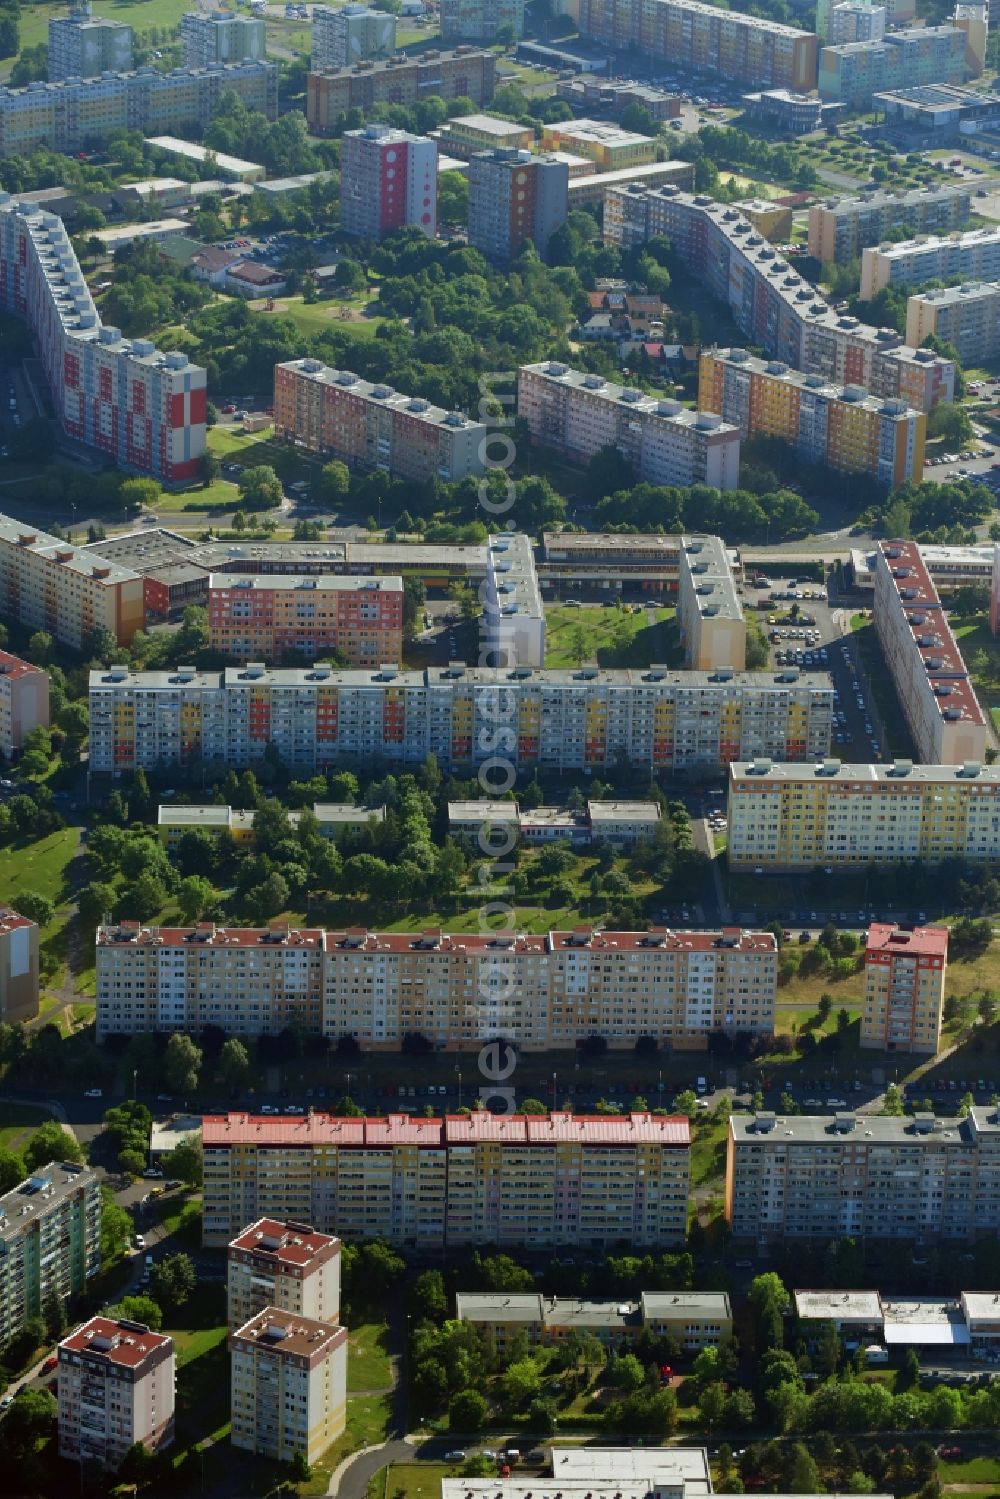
pixel 780 109
pixel 863 1176
pixel 695 1319
pixel 575 414
pixel 788 817
pixel 709 611
pixel 50 1236
pixel 607 145
pixel 615 822
pixel 464 135
pixel 612 96
pixel 251 278
pixel 223 165
pixel 588 189
pixel 289 1385
pixel 905 970
pixel 332 819
pixel 116 1389
pixel 286 1266
pixel 938 112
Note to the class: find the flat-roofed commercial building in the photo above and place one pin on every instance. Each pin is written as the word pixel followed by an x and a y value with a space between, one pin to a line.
pixel 771 303
pixel 803 816
pixel 245 980
pixel 465 73
pixel 657 719
pixel 905 970
pixel 928 672
pixel 332 818
pixel 968 316
pixel 289 1385
pixel 371 426
pixel 837 426
pixel 50 1241
pixel 939 111
pixel 467 134
pixel 686 33
pixel 287 1266
pixel 142 409
pixel 575 414
pixel 612 96
pixel 863 1176
pixel 266 618
pixel 116 1388
pixel 974 255
pixel 696 1319
pixel 350 34
pixel 607 145
pixel 457 989
pixel 634 1472
pixel 709 611
pixel 466 1180
pixel 840 228
pixel 614 822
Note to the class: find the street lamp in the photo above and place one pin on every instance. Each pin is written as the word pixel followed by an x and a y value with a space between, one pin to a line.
pixel 458 1071
pixel 135 1074
pixel 553 1090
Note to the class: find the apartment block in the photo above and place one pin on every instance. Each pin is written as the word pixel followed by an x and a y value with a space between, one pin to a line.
pixel 50 1241
pixel 142 409
pixel 856 21
pixel 974 255
pixel 695 1319
pixel 268 618
pixel 116 1388
pixel 576 414
pixel 840 228
pixel 286 1266
pixel 828 1177
pixel 513 611
pixel 515 197
pixel 658 719
pixel 463 1181
pixel 350 34
pixel 485 21
pixel 464 73
pixel 371 426
pixel 788 817
pixel 775 307
pixel 686 33
pixel 221 36
pixel 289 1385
pixel 838 426
pixel 246 980
pixel 24 702
pixel 928 672
pixel 620 823
pixel 18 967
pixel 82 112
pixel 551 991
pixel 50 585
pixel 854 72
pixel 709 611
pixel 332 818
pixel 608 146
pixel 968 316
pixel 905 970
pixel 82 45
pixel 388 179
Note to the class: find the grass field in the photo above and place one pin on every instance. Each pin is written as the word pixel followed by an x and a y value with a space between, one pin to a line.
pixel 317 317
pixel 415 1480
pixel 42 866
pixel 368 1365
pixel 610 637
pixel 367 1423
pixel 973 1470
pixel 17 1122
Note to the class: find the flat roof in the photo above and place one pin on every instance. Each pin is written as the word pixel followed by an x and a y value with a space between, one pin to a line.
pixel 289 583
pixel 126 1345
pixel 848 395
pixel 40 1193
pixel 670 1304
pixel 191 149
pixel 123 233
pixel 966 291
pixel 706 577
pixel 886 936
pixel 289 1335
pixel 745 775
pixel 487 124
pixel 881 198
pixel 166 1134
pixel 663 408
pixel 838 1306
pixel 850 1129
pixel 632 1464
pixel 206 934
pixel 484 1306
pixel 297 1245
pixel 482 812
pixel 981 1306
pixel 623 811
pixel 378 392
pixel 923 1320
pixel 310 1130
pixel 598 132
pixel 930 244
pixel 934 647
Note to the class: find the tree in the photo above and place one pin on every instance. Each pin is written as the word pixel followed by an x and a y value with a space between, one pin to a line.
pixel 185 1161
pixel 195 896
pixel 132 1161
pixel 50 1142
pixel 40 648
pixel 139 1309
pixel 147 896
pixel 951 422
pixel 522 1381
pixel 627 1373
pixel 893 1101
pixel 172 1281
pixel 35 906
pixel 117 1227
pixel 30 1419
pixel 428 1298
pixel 12 1170
pixel 260 488
pixel 711 1403
pixel 95 901
pixel 334 483
pixel 803 1474
pixel 234 1065
pixel 768 1302
pixel 467 1412
pixel 182 1064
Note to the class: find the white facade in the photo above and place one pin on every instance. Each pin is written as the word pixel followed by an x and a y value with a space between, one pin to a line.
pixel 512 606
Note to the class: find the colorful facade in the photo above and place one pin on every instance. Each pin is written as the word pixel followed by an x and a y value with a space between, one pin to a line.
pixel 50 585
pixel 967 316
pixel 284 1265
pixel 515 198
pixel 50 1233
pixel 288 1386
pixel 361 618
pixel 840 228
pixel 905 969
pixel 608 146
pixel 388 179
pixel 853 72
pixel 659 719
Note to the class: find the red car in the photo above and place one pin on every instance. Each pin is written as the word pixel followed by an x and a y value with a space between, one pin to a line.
pixel 228 410
pixel 50 1363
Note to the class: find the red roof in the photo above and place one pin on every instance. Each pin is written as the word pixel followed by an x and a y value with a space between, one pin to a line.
pixel 933 641
pixel 116 1342
pixel 207 934
pixel 287 1243
pixel 594 938
pixel 456 1129
pixel 883 936
pixel 13 666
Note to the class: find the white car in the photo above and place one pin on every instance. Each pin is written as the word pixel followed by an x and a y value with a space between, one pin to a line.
pixel 94 1093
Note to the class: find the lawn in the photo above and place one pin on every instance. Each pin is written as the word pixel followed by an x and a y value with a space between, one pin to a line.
pixel 414 1480
pixel 17 1122
pixel 367 1424
pixel 43 866
pixel 181 1215
pixel 973 1470
pixel 368 1366
pixel 317 317
pixel 611 637
pixel 708 1151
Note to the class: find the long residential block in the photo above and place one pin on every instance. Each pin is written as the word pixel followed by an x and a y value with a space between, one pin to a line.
pixel 513 611
pixel 143 409
pixel 47 584
pixel 79 112
pixel 658 719
pixel 267 618
pixel 974 255
pixel 463 1181
pixel 928 671
pixel 967 316
pixel 465 73
pixel 712 622
pixel 905 969
pixel 771 303
pixel 50 1241
pixel 787 817
pixel 839 426
pixel 840 228
pixel 829 1177
pixel 369 425
pixel 576 414
pixel 853 72
pixel 687 33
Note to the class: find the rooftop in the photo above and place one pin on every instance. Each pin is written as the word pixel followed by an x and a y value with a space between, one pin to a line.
pixel 413 406
pixel 838 1306
pixel 13 667
pixel 885 936
pixel 310 1130
pixel 194 152
pixel 207 934
pixel 126 1345
pixel 287 583
pixel 746 775
pixel 501 1306
pixel 597 132
pixel 930 244
pixel 901 574
pixel 880 198
pixel 849 395
pixel 706 577
pixel 297 1245
pixel 432 58
pixel 289 1335
pixel 920 1131
pixel 661 407
pixel 40 1194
